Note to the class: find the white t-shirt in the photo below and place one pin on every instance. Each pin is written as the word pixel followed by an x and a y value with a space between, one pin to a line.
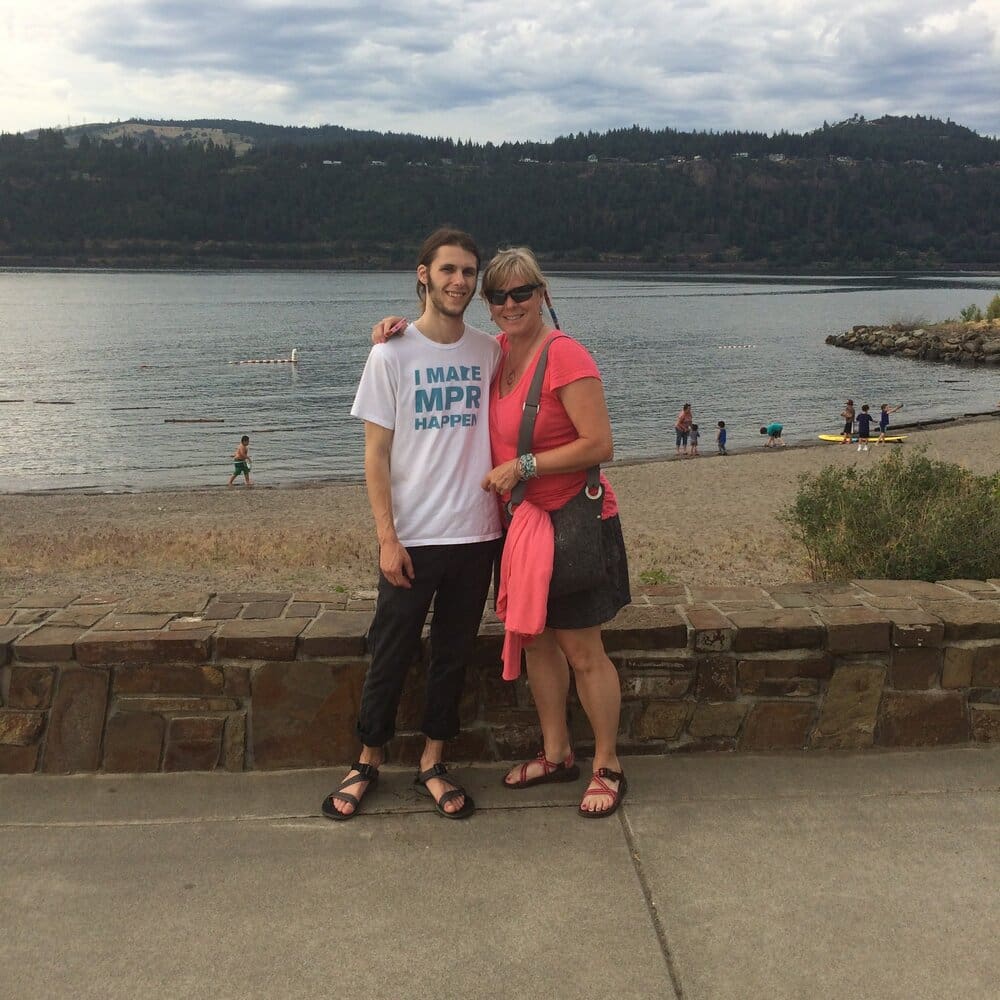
pixel 435 399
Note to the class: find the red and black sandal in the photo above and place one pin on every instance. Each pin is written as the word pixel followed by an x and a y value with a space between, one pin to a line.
pixel 564 770
pixel 602 788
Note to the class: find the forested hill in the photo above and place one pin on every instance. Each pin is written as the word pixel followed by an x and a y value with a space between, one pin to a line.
pixel 895 192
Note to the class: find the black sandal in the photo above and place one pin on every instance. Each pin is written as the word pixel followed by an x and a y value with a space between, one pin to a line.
pixel 366 772
pixel 456 791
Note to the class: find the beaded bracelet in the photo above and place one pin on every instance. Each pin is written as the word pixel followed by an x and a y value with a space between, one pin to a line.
pixel 527 467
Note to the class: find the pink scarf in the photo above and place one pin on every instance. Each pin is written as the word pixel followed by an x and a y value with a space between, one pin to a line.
pixel 525 572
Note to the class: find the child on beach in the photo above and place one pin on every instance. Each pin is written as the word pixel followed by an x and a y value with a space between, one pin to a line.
pixel 773 432
pixel 720 437
pixel 848 414
pixel 864 428
pixel 693 440
pixel 883 419
pixel 241 461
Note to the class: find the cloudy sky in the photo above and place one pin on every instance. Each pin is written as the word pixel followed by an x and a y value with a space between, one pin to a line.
pixel 500 69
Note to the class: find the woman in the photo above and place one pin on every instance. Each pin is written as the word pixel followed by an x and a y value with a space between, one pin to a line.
pixel 572 433
pixel 682 429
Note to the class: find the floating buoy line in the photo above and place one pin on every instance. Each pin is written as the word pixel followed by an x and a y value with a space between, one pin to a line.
pixel 736 347
pixel 293 360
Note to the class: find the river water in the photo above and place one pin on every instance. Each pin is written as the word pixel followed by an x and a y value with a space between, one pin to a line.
pixel 116 355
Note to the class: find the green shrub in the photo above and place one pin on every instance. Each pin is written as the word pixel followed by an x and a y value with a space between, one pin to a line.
pixel 907 518
pixel 993 309
pixel 971 314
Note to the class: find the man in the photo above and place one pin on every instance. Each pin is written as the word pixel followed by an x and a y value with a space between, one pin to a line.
pixel 424 398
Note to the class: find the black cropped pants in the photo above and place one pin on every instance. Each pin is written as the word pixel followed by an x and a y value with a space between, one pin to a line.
pixel 457 578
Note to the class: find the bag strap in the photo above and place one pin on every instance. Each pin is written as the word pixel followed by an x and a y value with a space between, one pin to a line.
pixel 529 415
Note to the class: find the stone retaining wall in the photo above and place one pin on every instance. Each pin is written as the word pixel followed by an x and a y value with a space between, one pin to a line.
pixel 961 343
pixel 242 681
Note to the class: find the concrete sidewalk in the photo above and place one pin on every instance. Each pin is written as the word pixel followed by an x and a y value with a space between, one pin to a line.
pixel 800 875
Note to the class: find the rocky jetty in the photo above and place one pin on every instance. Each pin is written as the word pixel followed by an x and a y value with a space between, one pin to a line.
pixel 962 343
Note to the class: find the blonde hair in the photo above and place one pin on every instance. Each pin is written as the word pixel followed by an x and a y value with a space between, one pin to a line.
pixel 518 261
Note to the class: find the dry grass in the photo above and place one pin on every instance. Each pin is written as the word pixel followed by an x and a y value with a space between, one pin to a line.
pixel 708 521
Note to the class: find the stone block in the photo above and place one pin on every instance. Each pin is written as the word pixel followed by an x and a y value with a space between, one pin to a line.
pixel 30 616
pixel 722 719
pixel 892 603
pixel 264 609
pixel 76 722
pixel 335 633
pixel 144 647
pixel 82 616
pixel 970 586
pixel 968 619
pixel 855 630
pixel 193 744
pixel 645 628
pixel 639 683
pixel 914 719
pixel 302 609
pixel 517 742
pixel 234 742
pixel 849 712
pixel 915 628
pixel 8 634
pixel 133 742
pixel 711 630
pixel 175 704
pixel 366 604
pixel 756 596
pixel 50 600
pixel 46 644
pixel 329 598
pixel 777 725
pixel 31 687
pixel 915 668
pixel 252 596
pixel 184 603
pixel 986 667
pixel 985 723
pixel 117 621
pixel 792 687
pixel 95 599
pixel 304 713
pixel 6 615
pixel 267 639
pixel 917 589
pixel 957 670
pixel 19 760
pixel 716 678
pixel 168 679
pixel 662 720
pixel 217 611
pixel 236 681
pixel 19 728
pixel 753 669
pixel 787 628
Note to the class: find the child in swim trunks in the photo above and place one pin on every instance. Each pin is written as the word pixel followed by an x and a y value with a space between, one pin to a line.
pixel 241 461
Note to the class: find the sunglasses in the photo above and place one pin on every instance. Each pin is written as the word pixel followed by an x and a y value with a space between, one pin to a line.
pixel 520 294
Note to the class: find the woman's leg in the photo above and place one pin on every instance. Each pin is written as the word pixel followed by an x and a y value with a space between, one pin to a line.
pixel 599 690
pixel 548 675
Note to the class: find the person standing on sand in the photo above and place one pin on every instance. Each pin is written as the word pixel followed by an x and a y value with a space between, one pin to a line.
pixel 693 441
pixel 848 414
pixel 682 427
pixel 720 437
pixel 424 400
pixel 864 428
pixel 241 461
pixel 883 419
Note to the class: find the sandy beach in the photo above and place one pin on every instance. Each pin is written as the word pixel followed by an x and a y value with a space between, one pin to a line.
pixel 702 521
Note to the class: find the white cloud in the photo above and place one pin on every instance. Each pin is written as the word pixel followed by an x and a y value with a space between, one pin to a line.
pixel 494 70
